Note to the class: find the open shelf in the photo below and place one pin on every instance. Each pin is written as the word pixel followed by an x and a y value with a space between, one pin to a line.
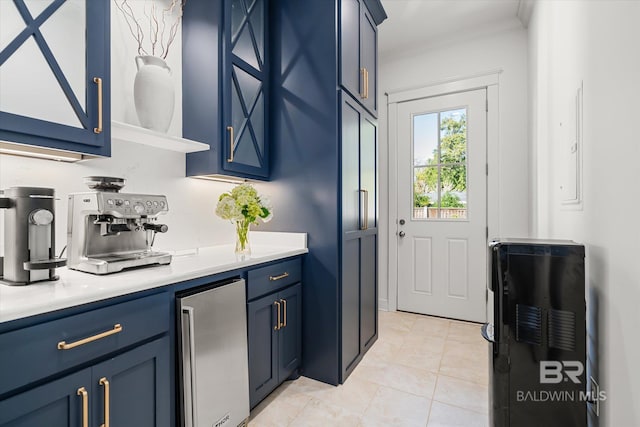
pixel 130 133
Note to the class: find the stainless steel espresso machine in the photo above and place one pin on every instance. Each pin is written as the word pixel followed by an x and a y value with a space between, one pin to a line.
pixel 109 231
pixel 29 236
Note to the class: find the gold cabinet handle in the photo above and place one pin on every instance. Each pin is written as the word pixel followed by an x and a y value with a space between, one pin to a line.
pixel 85 406
pixel 277 304
pixel 62 345
pixel 366 79
pixel 363 78
pixel 231 143
pixel 284 311
pixel 282 276
pixel 98 81
pixel 103 382
pixel 366 209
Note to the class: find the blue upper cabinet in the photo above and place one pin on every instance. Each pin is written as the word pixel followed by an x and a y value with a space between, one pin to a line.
pixel 54 74
pixel 358 52
pixel 225 76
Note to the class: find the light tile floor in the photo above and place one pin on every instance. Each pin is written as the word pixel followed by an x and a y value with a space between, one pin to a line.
pixel 422 371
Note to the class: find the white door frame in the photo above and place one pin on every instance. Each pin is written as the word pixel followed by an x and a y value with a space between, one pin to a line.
pixel 488 81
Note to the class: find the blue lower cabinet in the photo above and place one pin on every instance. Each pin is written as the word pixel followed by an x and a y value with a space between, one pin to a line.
pixel 275 340
pixel 290 333
pixel 263 347
pixel 56 404
pixel 133 387
pixel 136 385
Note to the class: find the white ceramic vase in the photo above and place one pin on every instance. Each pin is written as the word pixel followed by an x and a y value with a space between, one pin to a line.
pixel 154 93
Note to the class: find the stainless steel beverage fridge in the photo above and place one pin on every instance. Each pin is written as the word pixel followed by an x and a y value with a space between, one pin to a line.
pixel 538 334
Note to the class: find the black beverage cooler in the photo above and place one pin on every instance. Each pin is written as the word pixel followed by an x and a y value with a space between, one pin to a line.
pixel 538 335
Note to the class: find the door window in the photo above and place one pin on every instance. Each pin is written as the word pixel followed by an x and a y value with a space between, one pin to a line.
pixel 440 165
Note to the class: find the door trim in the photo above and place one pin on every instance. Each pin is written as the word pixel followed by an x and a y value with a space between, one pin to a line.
pixel 488 81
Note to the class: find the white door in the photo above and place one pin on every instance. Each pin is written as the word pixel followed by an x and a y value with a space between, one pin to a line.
pixel 442 205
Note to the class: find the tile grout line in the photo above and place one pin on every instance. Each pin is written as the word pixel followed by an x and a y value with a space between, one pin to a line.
pixel 431 401
pixel 462 407
pixel 290 423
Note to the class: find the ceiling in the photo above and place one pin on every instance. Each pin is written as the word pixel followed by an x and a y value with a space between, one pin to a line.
pixel 419 24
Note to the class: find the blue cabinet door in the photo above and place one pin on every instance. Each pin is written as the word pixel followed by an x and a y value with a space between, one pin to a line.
pixel 56 404
pixel 368 291
pixel 54 75
pixel 359 233
pixel 225 87
pixel 136 385
pixel 350 302
pixel 359 53
pixel 263 347
pixel 245 89
pixel 369 59
pixel 290 333
pixel 350 73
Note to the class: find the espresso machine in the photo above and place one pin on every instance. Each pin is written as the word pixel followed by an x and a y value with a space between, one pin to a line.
pixel 29 236
pixel 109 231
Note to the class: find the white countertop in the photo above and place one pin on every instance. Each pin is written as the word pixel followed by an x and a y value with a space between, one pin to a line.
pixel 76 288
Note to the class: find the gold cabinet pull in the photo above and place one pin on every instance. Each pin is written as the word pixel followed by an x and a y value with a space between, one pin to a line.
pixel 85 406
pixel 366 209
pixel 277 304
pixel 62 345
pixel 282 276
pixel 363 78
pixel 98 81
pixel 366 86
pixel 103 382
pixel 284 311
pixel 231 143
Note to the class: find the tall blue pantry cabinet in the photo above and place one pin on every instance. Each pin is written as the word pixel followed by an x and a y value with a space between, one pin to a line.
pixel 323 166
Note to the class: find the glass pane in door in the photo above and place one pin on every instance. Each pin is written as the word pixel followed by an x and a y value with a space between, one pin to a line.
pixel 242 43
pixel 68 44
pixel 245 152
pixel 453 192
pixel 30 89
pixel 257 25
pixel 47 80
pixel 425 139
pixel 11 23
pixel 440 165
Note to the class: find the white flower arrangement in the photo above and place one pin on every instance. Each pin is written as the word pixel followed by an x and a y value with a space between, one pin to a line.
pixel 244 206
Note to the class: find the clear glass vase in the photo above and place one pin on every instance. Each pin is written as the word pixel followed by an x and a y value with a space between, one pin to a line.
pixel 243 247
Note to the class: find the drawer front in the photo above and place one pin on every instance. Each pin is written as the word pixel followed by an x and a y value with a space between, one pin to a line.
pixel 36 352
pixel 269 279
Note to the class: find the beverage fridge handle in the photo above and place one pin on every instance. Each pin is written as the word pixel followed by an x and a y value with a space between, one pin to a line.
pixel 503 307
pixel 189 367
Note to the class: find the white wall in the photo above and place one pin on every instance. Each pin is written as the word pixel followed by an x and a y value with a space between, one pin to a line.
pixel 506 51
pixel 595 42
pixel 124 49
pixel 191 218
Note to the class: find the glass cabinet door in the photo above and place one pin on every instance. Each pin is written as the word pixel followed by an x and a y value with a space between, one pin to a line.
pixel 246 115
pixel 54 73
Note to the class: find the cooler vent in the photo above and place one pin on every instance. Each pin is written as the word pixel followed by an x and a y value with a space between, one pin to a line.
pixel 528 324
pixel 562 330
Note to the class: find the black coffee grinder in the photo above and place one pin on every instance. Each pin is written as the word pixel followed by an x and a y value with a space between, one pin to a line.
pixel 29 236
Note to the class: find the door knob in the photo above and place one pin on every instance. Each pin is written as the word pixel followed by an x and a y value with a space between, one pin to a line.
pixel 401 234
